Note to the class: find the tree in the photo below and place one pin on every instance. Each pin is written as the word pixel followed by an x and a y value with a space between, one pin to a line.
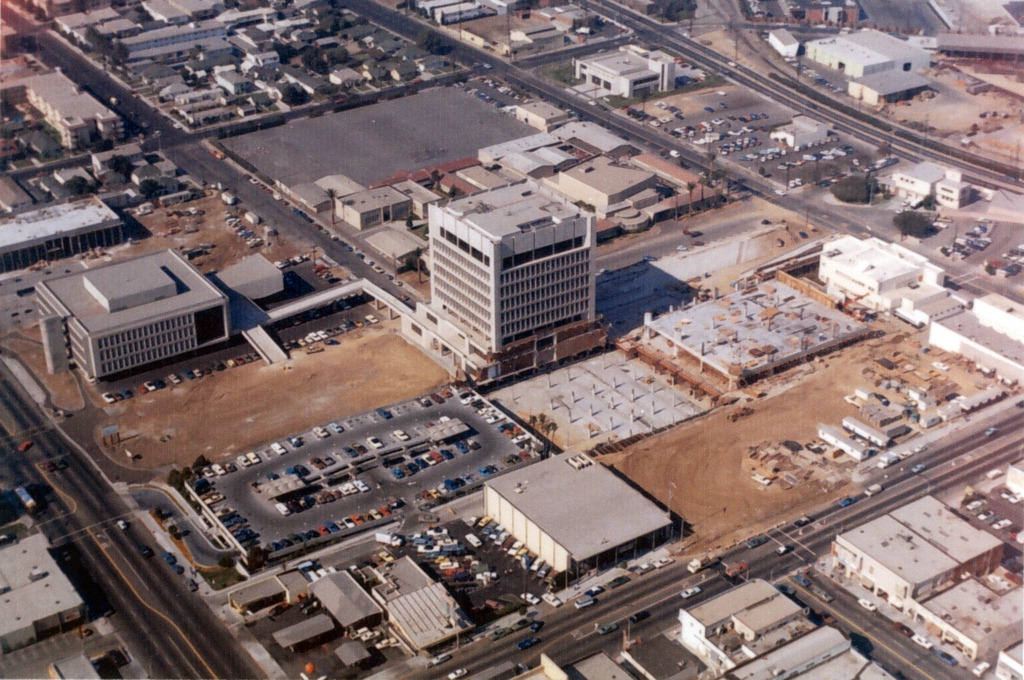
pixel 201 461
pixel 690 186
pixel 226 562
pixel 915 224
pixel 77 185
pixel 331 195
pixel 431 41
pixel 120 165
pixel 853 189
pixel 293 96
pixel 149 188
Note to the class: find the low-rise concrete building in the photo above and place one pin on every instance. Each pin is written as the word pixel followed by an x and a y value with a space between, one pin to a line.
pixel 801 132
pixel 541 115
pixel 784 42
pixel 38 599
pixel 926 179
pixel 867 52
pixel 887 87
pixel 560 509
pixel 991 334
pixel 132 313
pixel 740 624
pixel 56 232
pixel 914 552
pixel 372 207
pixel 345 600
pixel 79 119
pixel 602 184
pixel 974 619
pixel 629 72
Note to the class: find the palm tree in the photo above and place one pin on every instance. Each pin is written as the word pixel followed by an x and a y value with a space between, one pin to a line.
pixel 690 186
pixel 331 195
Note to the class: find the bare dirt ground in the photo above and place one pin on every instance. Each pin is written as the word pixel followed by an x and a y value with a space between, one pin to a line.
pixel 62 387
pixel 246 407
pixel 170 228
pixel 698 468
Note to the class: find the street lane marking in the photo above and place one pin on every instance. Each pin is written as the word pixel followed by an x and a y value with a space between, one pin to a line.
pixel 131 587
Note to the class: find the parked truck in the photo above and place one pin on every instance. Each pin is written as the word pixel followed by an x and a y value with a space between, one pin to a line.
pixel 393 540
pixel 228 198
pixel 736 569
pixel 887 459
pixel 698 563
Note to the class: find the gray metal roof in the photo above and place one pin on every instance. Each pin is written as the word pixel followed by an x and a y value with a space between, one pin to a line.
pixel 304 630
pixel 586 511
pixel 344 599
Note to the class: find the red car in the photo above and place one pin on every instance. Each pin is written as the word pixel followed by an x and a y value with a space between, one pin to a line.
pixel 25 446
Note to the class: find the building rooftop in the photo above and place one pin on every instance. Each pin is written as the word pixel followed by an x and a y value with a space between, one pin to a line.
pixel 495 152
pixel 931 519
pixel 992 44
pixel 784 37
pixel 735 600
pixel 817 644
pixel 128 292
pixel 898 549
pixel 872 258
pixel 421 607
pixel 52 221
pixel 925 171
pixel 978 613
pixel 373 199
pixel 395 243
pixel 591 135
pixel 304 630
pixel 606 176
pixel 748 331
pixel 574 507
pixel 511 210
pixel 60 92
pixel 600 666
pixel 541 109
pixel 870 47
pixel 32 586
pixel 892 82
pixel 344 599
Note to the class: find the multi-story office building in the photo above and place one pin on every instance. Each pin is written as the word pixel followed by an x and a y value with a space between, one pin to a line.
pixel 57 231
pixel 513 282
pixel 132 313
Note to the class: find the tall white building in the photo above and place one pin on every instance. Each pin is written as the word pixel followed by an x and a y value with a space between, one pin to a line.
pixel 629 72
pixel 512 281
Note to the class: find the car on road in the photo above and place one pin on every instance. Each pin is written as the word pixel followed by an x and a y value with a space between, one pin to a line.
pixel 145 550
pixel 640 616
pixel 439 659
pixel 867 604
pixel 552 599
pixel 991 431
pixel 528 642
pixel 122 525
pixel 458 673
pixel 607 628
pixel 584 602
pixel 980 669
pixel 945 657
pixel 649 258
pixel 618 582
pixel 682 249
pixel 536 626
pixel 1002 524
pixel 663 562
pixel 847 502
pixel 802 580
pixel 756 541
pixel 922 641
pixel 690 592
pixel 802 522
pixel 903 629
pixel 593 592
pixel 919 468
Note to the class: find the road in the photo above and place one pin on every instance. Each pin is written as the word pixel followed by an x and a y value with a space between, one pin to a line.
pixel 149 606
pixel 569 635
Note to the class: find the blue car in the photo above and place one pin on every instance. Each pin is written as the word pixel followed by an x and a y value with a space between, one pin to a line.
pixel 168 557
pixel 397 472
pixel 178 569
pixel 847 502
pixel 528 642
pixel 336 427
pixel 461 447
pixel 448 455
pixel 421 464
pixel 332 527
pixel 350 452
pixel 802 580
pixel 412 468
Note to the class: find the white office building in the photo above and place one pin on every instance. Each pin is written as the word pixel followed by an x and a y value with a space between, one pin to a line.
pixel 882 276
pixel 128 314
pixel 629 72
pixel 512 282
pixel 991 334
pixel 800 133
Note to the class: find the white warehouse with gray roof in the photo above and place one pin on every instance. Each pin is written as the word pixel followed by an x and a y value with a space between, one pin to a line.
pixel 575 514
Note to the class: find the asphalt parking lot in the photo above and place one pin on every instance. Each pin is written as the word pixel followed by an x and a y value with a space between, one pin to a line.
pixel 356 485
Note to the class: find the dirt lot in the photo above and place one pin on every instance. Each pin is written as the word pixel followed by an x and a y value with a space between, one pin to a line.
pixel 242 408
pixel 699 468
pixel 174 228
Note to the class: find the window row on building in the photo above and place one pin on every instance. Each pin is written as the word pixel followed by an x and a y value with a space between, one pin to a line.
pixel 465 247
pixel 525 257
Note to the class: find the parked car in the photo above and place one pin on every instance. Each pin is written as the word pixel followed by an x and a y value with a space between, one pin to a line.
pixel 690 592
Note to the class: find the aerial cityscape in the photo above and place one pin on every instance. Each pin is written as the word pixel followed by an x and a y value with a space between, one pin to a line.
pixel 489 339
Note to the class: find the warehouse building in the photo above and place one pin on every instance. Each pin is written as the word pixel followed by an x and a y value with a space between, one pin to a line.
pixel 981 46
pixel 38 599
pixel 56 232
pixel 887 87
pixel 131 313
pixel 512 283
pixel 574 514
pixel 914 552
pixel 974 619
pixel 866 52
pixel 991 334
pixel 372 207
pixel 784 42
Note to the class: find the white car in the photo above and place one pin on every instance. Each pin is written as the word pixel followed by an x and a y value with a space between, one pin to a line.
pixel 552 600
pixel 980 669
pixel 254 458
pixel 1002 524
pixel 458 673
pixel 375 443
pixel 923 641
pixel 122 525
pixel 682 249
pixel 689 592
pixel 362 486
pixel 401 435
pixel 109 398
pixel 531 598
pixel 663 562
pixel 867 604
